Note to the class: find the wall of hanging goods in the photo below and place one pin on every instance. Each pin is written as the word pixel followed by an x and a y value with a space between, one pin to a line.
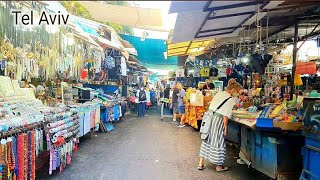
pixel 51 63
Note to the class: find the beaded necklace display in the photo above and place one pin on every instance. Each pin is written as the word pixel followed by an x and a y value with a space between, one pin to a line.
pixel 33 156
pixel 29 155
pixel 10 157
pixel 3 160
pixel 20 149
pixel 15 158
pixel 25 151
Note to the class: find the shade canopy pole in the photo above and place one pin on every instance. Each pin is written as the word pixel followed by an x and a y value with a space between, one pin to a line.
pixel 294 58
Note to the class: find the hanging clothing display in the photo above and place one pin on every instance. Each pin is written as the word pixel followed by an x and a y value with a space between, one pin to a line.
pixel 123 66
pixel 110 62
pixel 196 72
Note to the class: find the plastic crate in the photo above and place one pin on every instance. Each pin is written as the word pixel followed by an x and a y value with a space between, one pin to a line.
pixel 264 123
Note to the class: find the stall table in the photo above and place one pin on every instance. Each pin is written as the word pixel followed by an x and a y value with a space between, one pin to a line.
pixel 272 151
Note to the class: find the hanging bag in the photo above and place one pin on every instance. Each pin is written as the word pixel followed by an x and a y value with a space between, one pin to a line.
pixel 207 121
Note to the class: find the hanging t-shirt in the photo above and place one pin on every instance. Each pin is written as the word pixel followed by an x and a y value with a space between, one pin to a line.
pixel 123 66
pixel 180 72
pixel 196 72
pixel 206 63
pixel 197 62
pixel 204 72
pixel 223 72
pixel 110 62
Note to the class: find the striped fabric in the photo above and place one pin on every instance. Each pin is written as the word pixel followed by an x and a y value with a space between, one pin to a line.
pixel 213 148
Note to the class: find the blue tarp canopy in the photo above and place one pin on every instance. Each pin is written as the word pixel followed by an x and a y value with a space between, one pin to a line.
pixel 151 53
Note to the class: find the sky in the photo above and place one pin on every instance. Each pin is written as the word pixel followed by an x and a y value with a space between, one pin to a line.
pixel 168 19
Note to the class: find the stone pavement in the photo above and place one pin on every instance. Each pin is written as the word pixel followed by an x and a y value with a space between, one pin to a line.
pixel 146 149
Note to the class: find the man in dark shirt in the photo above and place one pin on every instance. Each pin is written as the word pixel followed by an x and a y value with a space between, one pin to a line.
pixel 175 103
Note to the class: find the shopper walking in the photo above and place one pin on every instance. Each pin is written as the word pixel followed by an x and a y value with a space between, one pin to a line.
pixel 175 103
pixel 213 147
pixel 153 97
pixel 166 95
pixel 181 104
pixel 148 99
pixel 142 97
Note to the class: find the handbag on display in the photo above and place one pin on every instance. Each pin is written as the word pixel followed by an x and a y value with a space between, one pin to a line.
pixel 207 121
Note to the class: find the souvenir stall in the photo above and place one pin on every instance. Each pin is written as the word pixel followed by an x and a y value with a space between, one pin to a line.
pixel 27 125
pixel 266 125
pixel 47 62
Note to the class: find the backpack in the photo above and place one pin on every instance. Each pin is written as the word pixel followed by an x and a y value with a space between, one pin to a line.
pixel 142 95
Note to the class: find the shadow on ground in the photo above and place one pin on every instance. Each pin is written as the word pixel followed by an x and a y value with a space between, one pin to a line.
pixel 146 148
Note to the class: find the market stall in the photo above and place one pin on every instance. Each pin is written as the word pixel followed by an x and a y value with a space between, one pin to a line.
pixel 42 115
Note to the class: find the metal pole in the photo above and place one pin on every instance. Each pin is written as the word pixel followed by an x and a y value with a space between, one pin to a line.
pixel 294 58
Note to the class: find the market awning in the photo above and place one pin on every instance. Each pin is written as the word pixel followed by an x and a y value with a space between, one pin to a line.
pixel 151 52
pixel 215 19
pixel 187 48
pixel 100 33
pixel 128 47
pixel 142 18
pixel 133 59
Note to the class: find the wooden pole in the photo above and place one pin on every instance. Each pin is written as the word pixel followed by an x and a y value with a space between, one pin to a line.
pixel 294 58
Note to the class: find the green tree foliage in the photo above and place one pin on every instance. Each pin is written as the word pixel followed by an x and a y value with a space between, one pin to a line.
pixel 78 10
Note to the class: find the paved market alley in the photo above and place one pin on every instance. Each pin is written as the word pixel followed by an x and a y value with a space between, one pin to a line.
pixel 146 148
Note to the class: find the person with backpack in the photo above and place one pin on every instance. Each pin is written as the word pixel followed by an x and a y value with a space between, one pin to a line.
pixel 142 97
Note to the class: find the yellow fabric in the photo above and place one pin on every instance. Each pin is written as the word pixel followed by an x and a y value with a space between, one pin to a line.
pixel 297 80
pixel 194 113
pixel 193 48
